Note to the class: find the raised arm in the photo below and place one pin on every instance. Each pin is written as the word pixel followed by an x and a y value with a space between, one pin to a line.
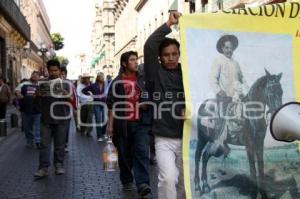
pixel 151 46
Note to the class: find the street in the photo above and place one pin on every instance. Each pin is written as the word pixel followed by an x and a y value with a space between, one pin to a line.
pixel 84 176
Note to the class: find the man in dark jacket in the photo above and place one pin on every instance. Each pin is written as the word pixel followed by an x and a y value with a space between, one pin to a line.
pixel 164 81
pixel 126 125
pixel 54 97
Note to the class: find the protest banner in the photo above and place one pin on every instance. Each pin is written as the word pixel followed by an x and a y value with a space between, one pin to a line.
pixel 239 66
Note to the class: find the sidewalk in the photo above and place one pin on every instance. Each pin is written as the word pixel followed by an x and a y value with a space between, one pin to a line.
pixel 11 109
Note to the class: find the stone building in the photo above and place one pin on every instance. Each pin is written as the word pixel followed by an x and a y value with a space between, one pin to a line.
pixel 40 45
pixel 14 36
pixel 136 19
pixel 103 38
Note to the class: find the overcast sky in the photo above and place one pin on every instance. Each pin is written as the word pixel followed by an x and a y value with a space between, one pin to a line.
pixel 73 20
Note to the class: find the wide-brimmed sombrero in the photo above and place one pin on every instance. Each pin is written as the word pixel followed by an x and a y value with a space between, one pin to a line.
pixel 233 39
pixel 86 75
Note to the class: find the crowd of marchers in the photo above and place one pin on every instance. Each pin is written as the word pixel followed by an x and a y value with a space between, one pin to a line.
pixel 117 109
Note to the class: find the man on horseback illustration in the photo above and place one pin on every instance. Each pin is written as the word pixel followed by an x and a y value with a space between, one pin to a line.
pixel 228 82
pixel 236 117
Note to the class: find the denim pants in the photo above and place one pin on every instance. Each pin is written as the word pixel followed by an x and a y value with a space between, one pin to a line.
pixel 58 133
pixel 31 125
pixel 133 153
pixel 67 131
pixel 100 120
pixel 86 118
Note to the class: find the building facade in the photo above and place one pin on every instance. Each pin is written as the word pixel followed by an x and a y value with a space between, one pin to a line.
pixel 41 47
pixel 103 39
pixel 136 20
pixel 125 28
pixel 14 36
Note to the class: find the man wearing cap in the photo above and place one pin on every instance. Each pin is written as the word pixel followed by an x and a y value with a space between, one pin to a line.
pixel 85 110
pixel 98 91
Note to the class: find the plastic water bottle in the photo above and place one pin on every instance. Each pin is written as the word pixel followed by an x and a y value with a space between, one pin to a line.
pixel 110 157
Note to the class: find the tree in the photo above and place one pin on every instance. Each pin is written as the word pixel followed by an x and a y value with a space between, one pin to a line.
pixel 57 40
pixel 63 60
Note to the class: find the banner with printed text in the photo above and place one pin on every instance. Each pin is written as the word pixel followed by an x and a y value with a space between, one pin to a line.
pixel 239 67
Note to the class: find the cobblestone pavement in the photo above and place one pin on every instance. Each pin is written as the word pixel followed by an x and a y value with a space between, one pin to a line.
pixel 84 178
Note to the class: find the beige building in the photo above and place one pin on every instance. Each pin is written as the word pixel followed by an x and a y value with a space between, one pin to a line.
pixel 136 19
pixel 41 45
pixel 125 28
pixel 103 38
pixel 14 35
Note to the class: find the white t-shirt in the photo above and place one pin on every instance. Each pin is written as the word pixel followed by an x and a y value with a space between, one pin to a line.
pixel 225 75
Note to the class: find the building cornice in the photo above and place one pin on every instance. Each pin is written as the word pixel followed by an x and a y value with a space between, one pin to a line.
pixel 118 8
pixel 140 5
pixel 44 23
pixel 14 16
pixel 133 39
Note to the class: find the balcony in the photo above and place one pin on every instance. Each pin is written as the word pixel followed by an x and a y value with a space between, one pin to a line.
pixel 13 15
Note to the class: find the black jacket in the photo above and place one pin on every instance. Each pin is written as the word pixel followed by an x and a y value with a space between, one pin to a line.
pixel 115 93
pixel 47 100
pixel 165 87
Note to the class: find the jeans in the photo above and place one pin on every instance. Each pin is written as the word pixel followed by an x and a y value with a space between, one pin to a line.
pixel 58 133
pixel 67 131
pixel 152 144
pixel 133 153
pixel 31 125
pixel 3 110
pixel 100 120
pixel 170 168
pixel 86 117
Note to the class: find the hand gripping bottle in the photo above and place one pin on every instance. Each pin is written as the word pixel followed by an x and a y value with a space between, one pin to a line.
pixel 110 157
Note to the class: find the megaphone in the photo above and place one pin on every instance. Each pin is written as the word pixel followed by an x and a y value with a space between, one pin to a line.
pixel 285 123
